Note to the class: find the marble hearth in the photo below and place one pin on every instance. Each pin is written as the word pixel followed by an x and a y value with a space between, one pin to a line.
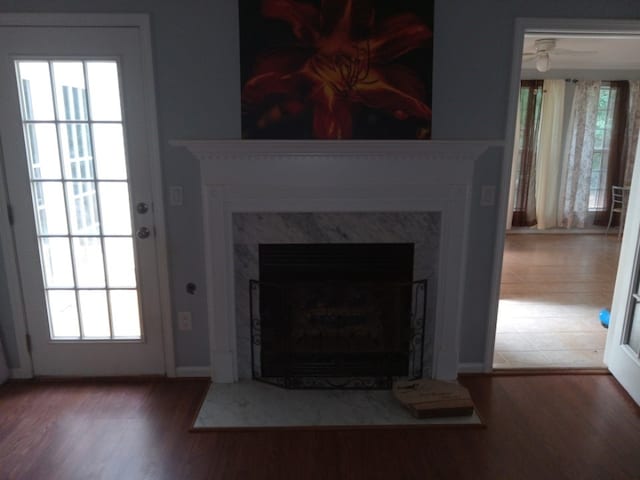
pixel 333 191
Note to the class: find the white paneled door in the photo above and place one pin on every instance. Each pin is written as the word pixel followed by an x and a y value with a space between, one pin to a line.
pixel 75 144
pixel 622 352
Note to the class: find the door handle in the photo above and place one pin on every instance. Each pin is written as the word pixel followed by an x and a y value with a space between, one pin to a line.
pixel 142 208
pixel 143 232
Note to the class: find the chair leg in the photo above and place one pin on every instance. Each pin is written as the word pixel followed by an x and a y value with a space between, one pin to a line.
pixel 610 220
pixel 623 214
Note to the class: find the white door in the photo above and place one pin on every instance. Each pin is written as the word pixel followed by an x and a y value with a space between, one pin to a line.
pixel 622 352
pixel 75 144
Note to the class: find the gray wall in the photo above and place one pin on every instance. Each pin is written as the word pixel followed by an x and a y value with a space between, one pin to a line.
pixel 7 331
pixel 197 78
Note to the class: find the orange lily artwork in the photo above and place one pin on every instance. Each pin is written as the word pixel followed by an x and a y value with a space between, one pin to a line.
pixel 336 69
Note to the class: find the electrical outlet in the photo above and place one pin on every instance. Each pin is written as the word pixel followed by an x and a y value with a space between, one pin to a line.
pixel 184 321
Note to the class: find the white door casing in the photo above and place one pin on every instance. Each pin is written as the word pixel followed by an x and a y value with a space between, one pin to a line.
pixel 127 45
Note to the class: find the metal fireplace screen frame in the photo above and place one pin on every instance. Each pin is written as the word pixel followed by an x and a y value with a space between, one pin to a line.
pixel 316 373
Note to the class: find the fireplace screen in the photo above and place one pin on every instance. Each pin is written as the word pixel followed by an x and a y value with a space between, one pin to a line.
pixel 337 315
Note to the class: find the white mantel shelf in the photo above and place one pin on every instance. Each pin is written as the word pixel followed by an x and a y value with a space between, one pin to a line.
pixel 334 176
pixel 334 162
pixel 322 147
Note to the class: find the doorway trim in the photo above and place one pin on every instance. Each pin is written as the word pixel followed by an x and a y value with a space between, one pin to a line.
pixel 142 23
pixel 523 26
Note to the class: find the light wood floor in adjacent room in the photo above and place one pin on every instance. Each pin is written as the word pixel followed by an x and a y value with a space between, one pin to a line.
pixel 549 427
pixel 553 288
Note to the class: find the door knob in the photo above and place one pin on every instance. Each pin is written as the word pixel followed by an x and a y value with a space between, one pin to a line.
pixel 142 207
pixel 143 232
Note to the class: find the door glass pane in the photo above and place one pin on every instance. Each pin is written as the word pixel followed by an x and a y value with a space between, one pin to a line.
pixel 71 101
pixel 83 208
pixel 116 217
pixel 633 329
pixel 109 146
pixel 87 254
pixel 125 313
pixel 77 155
pixel 63 314
pixel 48 205
pixel 95 313
pixel 42 150
pixel 56 261
pixel 35 91
pixel 80 198
pixel 103 79
pixel 634 333
pixel 120 262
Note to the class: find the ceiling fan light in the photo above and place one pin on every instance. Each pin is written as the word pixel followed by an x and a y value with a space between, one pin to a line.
pixel 543 63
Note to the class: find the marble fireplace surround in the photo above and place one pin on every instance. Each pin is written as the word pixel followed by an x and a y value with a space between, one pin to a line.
pixel 273 176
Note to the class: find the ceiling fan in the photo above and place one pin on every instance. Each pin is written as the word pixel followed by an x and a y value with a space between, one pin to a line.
pixel 542 55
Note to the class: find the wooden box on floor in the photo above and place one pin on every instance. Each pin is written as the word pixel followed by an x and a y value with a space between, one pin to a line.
pixel 433 398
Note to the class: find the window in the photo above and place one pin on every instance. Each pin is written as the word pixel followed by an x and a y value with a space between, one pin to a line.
pixel 598 195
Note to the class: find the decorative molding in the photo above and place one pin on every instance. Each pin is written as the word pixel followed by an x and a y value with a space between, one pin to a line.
pixel 333 163
pixel 221 148
pixel 194 371
pixel 334 176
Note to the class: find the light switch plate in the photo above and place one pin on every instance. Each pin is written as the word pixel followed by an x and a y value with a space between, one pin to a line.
pixel 184 321
pixel 175 195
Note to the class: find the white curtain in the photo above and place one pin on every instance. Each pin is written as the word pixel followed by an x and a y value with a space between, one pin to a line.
pixel 633 130
pixel 549 157
pixel 514 167
pixel 574 192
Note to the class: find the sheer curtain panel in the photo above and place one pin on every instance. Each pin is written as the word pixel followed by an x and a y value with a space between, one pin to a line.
pixel 574 195
pixel 549 158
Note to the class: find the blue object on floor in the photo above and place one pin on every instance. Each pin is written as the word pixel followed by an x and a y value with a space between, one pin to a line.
pixel 604 317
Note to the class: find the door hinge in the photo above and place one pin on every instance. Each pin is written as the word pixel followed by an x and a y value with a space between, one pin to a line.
pixel 28 339
pixel 10 214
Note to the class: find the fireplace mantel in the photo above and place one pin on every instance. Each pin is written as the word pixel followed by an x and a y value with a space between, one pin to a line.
pixel 333 176
pixel 354 162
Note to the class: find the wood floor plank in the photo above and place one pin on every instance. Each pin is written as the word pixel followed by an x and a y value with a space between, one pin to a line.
pixel 538 427
pixel 554 285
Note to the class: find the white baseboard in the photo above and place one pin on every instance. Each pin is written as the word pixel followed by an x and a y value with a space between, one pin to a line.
pixel 473 367
pixel 193 371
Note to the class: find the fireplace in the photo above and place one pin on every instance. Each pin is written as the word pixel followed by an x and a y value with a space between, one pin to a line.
pixel 337 315
pixel 257 192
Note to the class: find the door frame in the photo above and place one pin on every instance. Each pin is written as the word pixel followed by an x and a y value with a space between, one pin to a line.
pixel 142 23
pixel 522 26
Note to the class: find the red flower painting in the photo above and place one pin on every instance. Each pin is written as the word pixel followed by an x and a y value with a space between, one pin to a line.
pixel 335 69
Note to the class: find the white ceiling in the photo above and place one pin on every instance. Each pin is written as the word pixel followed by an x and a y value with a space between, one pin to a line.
pixel 606 52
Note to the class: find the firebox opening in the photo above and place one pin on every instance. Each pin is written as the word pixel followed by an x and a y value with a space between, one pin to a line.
pixel 336 315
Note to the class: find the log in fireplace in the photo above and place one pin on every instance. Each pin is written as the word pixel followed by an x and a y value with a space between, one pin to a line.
pixel 337 315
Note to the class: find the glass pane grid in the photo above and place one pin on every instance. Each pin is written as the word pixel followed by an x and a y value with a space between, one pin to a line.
pixel 75 148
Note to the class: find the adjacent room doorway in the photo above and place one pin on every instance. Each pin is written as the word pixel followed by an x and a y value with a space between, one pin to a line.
pixel 622 315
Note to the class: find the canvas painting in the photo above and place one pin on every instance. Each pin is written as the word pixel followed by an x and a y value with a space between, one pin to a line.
pixel 336 69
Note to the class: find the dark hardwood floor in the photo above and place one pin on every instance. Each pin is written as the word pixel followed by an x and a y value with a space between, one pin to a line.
pixel 538 427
